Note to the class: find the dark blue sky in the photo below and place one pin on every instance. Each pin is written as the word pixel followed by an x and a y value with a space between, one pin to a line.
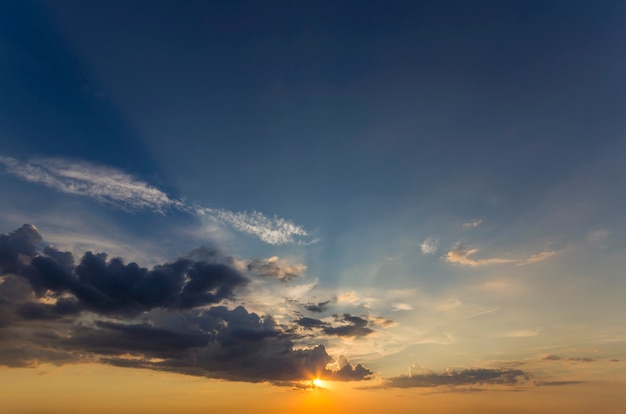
pixel 333 114
pixel 328 91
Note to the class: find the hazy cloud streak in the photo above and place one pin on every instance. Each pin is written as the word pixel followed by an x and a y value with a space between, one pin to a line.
pixel 462 256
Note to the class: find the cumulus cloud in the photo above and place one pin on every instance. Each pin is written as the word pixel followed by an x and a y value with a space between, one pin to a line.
pixel 462 256
pixel 429 246
pixel 348 372
pixel 115 187
pixel 174 317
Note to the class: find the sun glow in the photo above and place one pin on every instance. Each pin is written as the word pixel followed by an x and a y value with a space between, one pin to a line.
pixel 318 383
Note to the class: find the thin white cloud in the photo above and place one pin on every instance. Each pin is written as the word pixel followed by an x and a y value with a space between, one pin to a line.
pixel 472 223
pixel 538 257
pixel 102 183
pixel 272 230
pixel 402 307
pixel 429 246
pixel 113 186
pixel 462 256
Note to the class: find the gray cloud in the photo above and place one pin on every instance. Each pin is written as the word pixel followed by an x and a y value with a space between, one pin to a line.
pixel 173 317
pixel 350 326
pixel 551 357
pixel 472 376
pixel 277 268
pixel 317 307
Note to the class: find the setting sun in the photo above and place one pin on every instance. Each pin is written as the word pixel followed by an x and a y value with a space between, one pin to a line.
pixel 318 383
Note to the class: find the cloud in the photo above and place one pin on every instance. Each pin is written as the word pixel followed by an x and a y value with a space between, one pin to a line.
pixel 274 267
pixel 462 256
pixel 174 317
pixel 402 307
pixel 115 187
pixel 272 230
pixel 348 372
pixel 538 257
pixel 429 246
pixel 380 321
pixel 598 236
pixel 317 307
pixel 551 357
pixel 555 383
pixel 451 378
pixel 521 333
pixel 349 326
pixel 102 183
pixel 472 223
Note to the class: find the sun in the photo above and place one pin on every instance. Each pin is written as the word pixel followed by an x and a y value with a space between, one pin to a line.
pixel 318 383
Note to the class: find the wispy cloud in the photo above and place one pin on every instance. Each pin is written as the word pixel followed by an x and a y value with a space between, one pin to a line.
pixel 115 187
pixel 101 183
pixel 598 236
pixel 272 230
pixel 429 246
pixel 538 257
pixel 462 256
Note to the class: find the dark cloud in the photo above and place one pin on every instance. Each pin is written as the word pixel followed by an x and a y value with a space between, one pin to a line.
pixel 473 376
pixel 310 323
pixel 15 245
pixel 110 286
pixel 555 383
pixel 317 307
pixel 356 327
pixel 172 317
pixel 350 326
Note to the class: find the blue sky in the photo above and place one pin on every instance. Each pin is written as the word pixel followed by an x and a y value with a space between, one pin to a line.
pixel 450 172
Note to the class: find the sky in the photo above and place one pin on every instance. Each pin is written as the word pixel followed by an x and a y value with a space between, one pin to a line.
pixel 329 206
